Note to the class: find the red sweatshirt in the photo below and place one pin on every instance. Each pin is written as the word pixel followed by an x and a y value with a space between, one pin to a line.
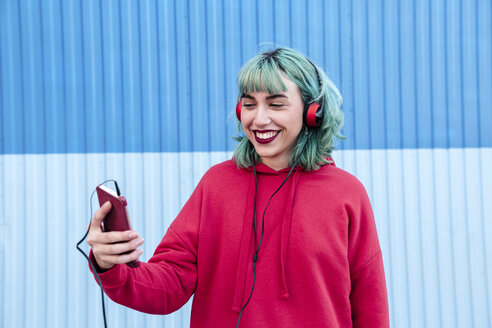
pixel 319 264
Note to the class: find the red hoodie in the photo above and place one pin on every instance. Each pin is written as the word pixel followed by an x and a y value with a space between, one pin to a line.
pixel 319 264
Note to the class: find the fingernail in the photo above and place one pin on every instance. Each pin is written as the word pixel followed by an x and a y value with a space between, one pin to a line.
pixel 132 235
pixel 107 204
pixel 140 252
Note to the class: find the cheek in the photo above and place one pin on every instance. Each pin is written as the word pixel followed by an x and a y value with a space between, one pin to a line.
pixel 296 124
pixel 244 124
pixel 295 131
pixel 246 119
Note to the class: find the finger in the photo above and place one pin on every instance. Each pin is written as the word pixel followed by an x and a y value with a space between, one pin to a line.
pixel 122 259
pixel 117 236
pixel 97 237
pixel 118 249
pixel 100 215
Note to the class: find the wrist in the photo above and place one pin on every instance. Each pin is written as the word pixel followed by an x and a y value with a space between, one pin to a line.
pixel 99 265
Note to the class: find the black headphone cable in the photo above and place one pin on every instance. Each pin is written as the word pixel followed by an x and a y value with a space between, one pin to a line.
pixel 257 249
pixel 87 257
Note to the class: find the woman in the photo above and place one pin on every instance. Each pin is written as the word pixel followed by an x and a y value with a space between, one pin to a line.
pixel 277 236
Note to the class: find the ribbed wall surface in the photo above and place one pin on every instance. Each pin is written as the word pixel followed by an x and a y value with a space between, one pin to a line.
pixel 144 92
pixel 127 76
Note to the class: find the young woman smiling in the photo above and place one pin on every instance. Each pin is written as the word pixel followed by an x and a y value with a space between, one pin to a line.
pixel 276 237
pixel 272 123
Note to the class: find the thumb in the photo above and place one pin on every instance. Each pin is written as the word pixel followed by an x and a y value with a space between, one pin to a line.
pixel 100 215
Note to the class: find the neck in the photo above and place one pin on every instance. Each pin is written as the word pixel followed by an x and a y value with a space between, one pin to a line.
pixel 277 165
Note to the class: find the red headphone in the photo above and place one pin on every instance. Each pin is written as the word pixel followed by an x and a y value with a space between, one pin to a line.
pixel 312 115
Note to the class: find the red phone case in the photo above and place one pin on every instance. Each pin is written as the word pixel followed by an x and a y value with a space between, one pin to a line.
pixel 117 219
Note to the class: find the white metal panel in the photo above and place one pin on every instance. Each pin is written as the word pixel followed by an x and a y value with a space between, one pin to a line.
pixel 431 208
pixel 433 221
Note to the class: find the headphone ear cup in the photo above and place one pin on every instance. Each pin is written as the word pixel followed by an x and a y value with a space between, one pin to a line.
pixel 313 115
pixel 238 110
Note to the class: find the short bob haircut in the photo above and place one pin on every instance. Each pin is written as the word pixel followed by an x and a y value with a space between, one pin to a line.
pixel 263 73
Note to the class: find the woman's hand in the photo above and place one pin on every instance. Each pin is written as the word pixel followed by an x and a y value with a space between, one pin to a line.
pixel 108 247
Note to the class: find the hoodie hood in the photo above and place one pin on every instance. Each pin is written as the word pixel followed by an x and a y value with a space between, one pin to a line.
pixel 245 257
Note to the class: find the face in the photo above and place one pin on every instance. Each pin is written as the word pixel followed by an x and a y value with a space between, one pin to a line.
pixel 272 122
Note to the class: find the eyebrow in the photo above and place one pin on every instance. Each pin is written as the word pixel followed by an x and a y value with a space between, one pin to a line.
pixel 279 95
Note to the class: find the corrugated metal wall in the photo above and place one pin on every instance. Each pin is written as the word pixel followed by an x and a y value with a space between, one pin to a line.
pixel 144 92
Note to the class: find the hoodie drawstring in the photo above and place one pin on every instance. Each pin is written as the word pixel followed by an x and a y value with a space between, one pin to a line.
pixel 244 251
pixel 246 241
pixel 284 238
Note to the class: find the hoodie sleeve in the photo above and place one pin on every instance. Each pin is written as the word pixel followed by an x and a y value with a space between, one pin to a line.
pixel 168 279
pixel 368 297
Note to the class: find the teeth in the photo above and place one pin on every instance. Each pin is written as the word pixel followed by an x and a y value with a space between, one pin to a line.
pixel 266 135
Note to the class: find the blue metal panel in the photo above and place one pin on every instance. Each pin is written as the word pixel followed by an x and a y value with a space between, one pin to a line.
pixel 438 76
pixel 92 86
pixel 454 72
pixel 71 111
pixel 134 76
pixel 484 70
pixel 216 100
pixel 360 95
pixel 375 74
pixel 392 72
pixel 198 82
pixel 423 74
pixel 169 137
pixel 112 115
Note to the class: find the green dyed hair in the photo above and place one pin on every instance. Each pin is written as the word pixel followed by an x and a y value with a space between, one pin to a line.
pixel 263 73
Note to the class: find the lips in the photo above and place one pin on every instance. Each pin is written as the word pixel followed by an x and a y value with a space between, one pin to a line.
pixel 265 136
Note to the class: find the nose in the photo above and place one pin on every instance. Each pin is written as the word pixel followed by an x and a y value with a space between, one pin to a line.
pixel 262 117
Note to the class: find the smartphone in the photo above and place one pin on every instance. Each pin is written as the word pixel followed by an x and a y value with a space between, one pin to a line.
pixel 117 219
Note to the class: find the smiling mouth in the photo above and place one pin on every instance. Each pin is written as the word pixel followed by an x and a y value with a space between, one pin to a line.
pixel 265 137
